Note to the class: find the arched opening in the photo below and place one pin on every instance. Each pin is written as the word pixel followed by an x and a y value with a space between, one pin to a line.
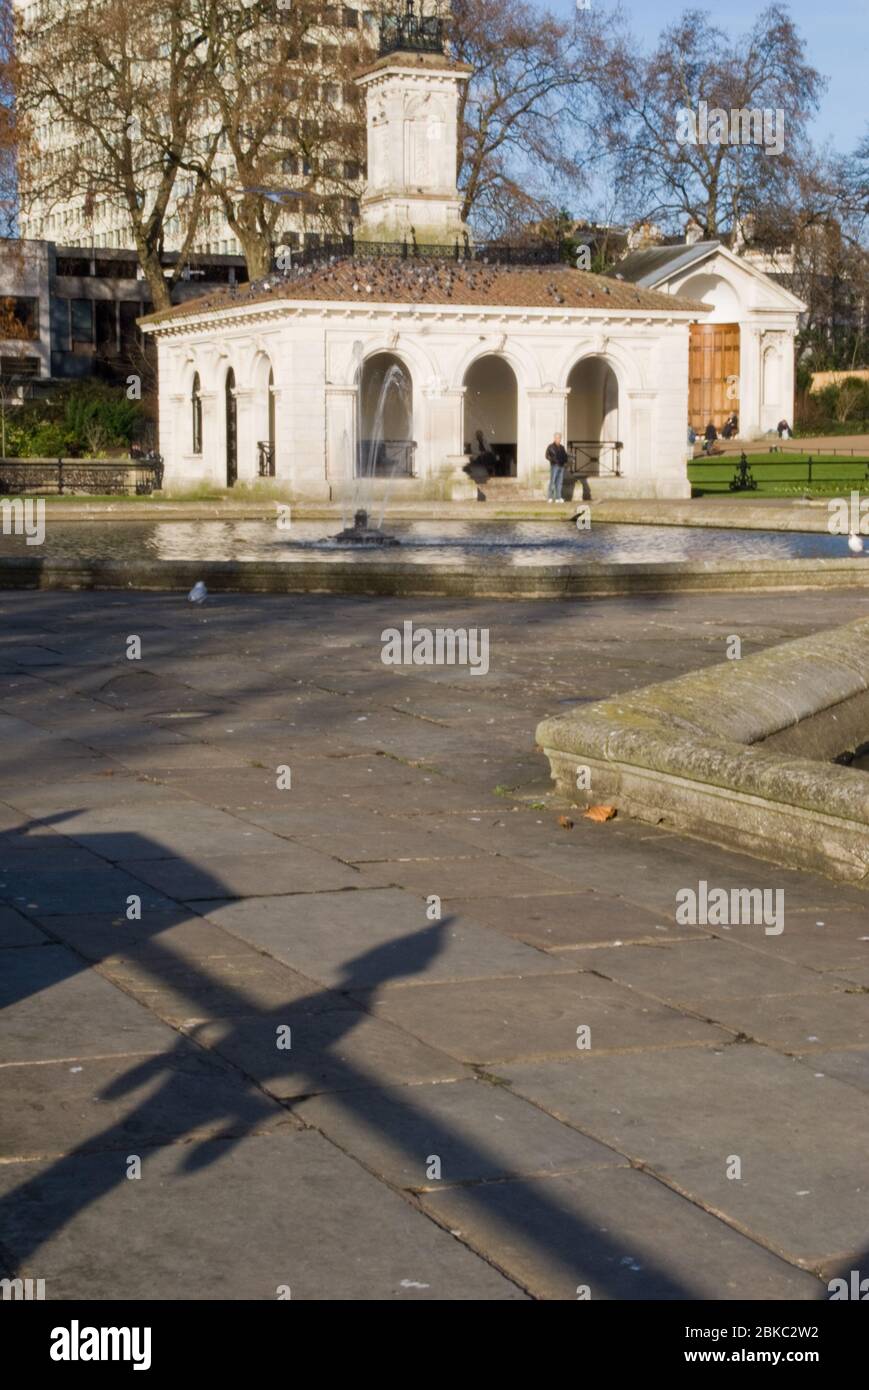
pixel 196 413
pixel 593 438
pixel 231 430
pixel 492 413
pixel 386 447
pixel 264 403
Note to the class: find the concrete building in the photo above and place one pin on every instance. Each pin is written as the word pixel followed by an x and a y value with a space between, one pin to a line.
pixel 79 307
pixel 98 221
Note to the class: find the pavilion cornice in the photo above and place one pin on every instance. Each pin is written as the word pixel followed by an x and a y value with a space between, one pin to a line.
pixel 350 311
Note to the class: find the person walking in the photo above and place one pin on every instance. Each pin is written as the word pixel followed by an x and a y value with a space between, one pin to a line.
pixel 557 457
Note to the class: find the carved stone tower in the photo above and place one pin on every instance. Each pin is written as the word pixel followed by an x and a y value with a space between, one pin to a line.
pixel 412 96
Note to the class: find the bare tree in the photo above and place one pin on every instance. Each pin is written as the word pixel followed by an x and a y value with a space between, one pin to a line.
pixel 673 158
pixel 8 124
pixel 289 134
pixel 524 114
pixel 121 83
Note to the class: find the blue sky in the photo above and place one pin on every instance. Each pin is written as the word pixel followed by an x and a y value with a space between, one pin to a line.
pixel 837 40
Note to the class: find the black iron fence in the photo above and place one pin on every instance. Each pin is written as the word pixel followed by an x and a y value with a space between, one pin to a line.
pixel 386 458
pixel 595 457
pixel 478 253
pixel 128 477
pixel 410 32
pixel 266 458
pixel 727 472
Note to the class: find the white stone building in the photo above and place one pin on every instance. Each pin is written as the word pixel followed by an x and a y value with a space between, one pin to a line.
pixel 742 354
pixel 393 366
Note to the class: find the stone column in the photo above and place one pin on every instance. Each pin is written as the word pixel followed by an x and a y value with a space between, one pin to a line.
pixel 210 465
pixel 341 438
pixel 636 460
pixel 445 408
pixel 547 411
pixel 246 434
pixel 749 381
pixel 283 435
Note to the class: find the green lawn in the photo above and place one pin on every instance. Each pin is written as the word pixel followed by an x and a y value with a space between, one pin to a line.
pixel 780 475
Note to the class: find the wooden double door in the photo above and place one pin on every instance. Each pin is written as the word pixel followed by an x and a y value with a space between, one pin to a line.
pixel 713 374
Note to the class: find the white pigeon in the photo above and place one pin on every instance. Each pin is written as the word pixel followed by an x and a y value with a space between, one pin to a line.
pixel 855 542
pixel 199 593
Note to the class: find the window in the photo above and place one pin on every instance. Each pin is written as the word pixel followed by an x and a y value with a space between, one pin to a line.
pixel 19 366
pixel 196 403
pixel 19 318
pixel 81 320
pixel 351 18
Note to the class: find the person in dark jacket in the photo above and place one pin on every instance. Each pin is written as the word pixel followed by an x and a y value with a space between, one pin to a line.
pixel 557 458
pixel 709 437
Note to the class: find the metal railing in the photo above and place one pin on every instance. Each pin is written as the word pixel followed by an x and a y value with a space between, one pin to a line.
pixel 64 476
pixel 386 458
pixel 266 458
pixel 804 472
pixel 410 32
pixel 595 457
pixel 481 252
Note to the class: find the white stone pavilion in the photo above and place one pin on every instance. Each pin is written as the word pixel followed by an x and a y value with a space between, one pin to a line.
pixel 285 378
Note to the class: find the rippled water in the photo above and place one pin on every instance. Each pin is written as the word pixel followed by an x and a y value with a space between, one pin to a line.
pixel 423 543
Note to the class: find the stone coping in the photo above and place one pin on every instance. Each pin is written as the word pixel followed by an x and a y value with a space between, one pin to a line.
pixel 393 578
pixel 691 752
pixel 726 514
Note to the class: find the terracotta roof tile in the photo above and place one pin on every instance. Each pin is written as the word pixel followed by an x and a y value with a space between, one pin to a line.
pixel 389 280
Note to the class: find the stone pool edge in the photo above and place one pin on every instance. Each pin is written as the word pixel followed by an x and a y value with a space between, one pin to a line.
pixel 689 753
pixel 393 579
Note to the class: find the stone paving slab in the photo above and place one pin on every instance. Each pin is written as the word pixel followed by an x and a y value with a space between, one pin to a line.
pixel 493 1022
pixel 485 877
pixel 106 936
pixel 379 839
pixel 228 986
pixel 54 1008
pixel 47 891
pixel 15 930
pixel 567 921
pixel 478 1132
pixel 110 1103
pixel 801 1137
pixel 376 938
pixel 688 972
pixel 165 830
pixel 794 1022
pixel 616 1233
pixel 334 1047
pixel 851 1066
pixel 295 869
pixel 293 1211
pixel 825 938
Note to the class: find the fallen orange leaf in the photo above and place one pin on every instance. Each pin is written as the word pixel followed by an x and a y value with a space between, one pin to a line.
pixel 600 813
